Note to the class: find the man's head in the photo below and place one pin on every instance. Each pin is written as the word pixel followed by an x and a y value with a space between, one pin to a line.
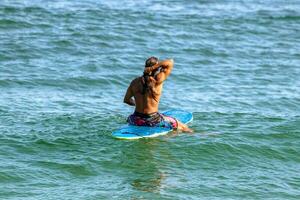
pixel 151 61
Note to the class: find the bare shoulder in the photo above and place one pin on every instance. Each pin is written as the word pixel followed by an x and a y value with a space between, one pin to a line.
pixel 135 82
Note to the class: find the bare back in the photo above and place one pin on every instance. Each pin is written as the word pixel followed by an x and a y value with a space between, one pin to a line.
pixel 147 102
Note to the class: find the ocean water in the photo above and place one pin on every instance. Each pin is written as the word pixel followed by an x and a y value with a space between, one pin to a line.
pixel 65 66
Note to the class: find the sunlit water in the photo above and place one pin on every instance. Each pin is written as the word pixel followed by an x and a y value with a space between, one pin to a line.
pixel 65 66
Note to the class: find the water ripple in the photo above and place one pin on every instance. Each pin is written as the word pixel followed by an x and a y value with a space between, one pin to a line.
pixel 65 66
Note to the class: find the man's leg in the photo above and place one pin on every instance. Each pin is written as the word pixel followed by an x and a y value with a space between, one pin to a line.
pixel 183 127
pixel 177 124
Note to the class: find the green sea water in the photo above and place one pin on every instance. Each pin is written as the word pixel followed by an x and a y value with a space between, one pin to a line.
pixel 64 69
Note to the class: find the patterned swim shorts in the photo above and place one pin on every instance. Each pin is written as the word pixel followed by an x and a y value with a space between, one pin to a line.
pixel 154 119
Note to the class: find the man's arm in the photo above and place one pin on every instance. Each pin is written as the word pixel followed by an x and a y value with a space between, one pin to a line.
pixel 128 97
pixel 166 65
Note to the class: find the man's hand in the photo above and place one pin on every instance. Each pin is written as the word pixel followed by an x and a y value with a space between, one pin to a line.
pixel 163 70
pixel 148 70
pixel 130 102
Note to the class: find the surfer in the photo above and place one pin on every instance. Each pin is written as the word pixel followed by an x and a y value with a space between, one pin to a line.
pixel 144 93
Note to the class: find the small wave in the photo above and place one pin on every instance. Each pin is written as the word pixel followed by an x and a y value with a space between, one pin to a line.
pixel 71 83
pixel 287 17
pixel 63 43
pixel 29 9
pixel 75 169
pixel 10 177
pixel 9 23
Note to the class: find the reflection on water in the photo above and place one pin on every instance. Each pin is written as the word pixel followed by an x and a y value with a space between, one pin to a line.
pixel 140 162
pixel 148 185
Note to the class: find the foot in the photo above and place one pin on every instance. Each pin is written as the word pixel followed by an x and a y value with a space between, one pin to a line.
pixel 184 128
pixel 187 130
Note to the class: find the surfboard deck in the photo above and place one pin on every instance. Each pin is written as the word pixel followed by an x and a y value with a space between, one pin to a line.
pixel 129 132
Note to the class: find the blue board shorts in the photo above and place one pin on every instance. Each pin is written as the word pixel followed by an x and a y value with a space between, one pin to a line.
pixel 154 120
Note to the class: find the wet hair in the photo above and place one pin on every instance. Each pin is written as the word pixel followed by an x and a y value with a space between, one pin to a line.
pixel 149 85
pixel 151 61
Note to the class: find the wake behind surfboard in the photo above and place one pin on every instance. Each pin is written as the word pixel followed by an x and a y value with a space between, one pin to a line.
pixel 130 132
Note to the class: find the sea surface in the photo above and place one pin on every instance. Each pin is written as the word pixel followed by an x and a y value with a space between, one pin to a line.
pixel 65 66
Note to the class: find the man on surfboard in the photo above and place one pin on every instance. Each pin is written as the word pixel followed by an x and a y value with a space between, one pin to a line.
pixel 144 93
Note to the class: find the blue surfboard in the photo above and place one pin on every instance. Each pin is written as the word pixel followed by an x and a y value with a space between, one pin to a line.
pixel 136 132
